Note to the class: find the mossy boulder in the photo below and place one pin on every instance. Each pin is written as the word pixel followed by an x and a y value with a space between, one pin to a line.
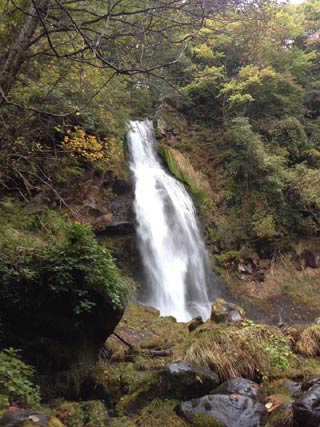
pixel 179 165
pixel 223 311
pixel 60 298
pixel 21 418
pixel 184 380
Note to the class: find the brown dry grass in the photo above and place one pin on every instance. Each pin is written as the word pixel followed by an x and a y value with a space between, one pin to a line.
pixel 308 343
pixel 252 351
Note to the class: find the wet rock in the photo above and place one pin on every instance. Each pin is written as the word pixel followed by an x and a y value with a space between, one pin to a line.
pixel 311 258
pixel 195 323
pixel 306 409
pixel 231 411
pixel 21 418
pixel 223 311
pixel 241 386
pixel 187 381
pixel 293 387
pixel 121 187
pixel 310 381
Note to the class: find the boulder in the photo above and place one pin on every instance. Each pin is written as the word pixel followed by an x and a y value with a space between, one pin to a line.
pixel 241 386
pixel 306 409
pixel 21 418
pixel 180 166
pixel 62 346
pixel 293 387
pixel 311 258
pixel 195 323
pixel 310 382
pixel 230 411
pixel 187 381
pixel 223 311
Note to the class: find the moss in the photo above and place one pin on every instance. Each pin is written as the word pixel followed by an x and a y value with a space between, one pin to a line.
pixel 181 168
pixel 280 418
pixel 159 413
pixel 122 422
pixel 77 414
pixel 202 420
pixel 54 422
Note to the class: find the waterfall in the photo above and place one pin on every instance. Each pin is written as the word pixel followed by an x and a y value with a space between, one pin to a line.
pixel 172 249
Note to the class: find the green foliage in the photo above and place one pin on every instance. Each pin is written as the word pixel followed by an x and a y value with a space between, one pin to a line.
pixel 81 264
pixel 16 386
pixel 77 414
pixel 70 262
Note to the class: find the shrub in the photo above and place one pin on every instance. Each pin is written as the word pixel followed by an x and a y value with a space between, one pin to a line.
pixel 76 264
pixel 16 386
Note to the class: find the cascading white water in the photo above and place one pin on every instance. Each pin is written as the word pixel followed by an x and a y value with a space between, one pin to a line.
pixel 171 245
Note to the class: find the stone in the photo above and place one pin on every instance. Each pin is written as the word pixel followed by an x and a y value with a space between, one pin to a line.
pixel 121 187
pixel 310 381
pixel 185 380
pixel 230 410
pixel 241 386
pixel 306 409
pixel 223 311
pixel 293 387
pixel 195 323
pixel 317 321
pixel 311 258
pixel 22 418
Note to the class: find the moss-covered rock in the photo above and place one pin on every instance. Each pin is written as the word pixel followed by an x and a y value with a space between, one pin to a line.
pixel 223 311
pixel 179 165
pixel 61 296
pixel 21 418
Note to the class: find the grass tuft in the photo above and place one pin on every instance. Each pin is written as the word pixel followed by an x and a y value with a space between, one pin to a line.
pixel 253 351
pixel 308 343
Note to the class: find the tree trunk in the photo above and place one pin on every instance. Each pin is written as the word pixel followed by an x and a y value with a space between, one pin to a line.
pixel 17 50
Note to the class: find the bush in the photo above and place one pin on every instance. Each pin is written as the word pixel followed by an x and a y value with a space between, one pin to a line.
pixel 16 386
pixel 76 265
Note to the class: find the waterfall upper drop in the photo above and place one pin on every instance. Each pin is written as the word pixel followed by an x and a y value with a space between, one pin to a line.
pixel 172 249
